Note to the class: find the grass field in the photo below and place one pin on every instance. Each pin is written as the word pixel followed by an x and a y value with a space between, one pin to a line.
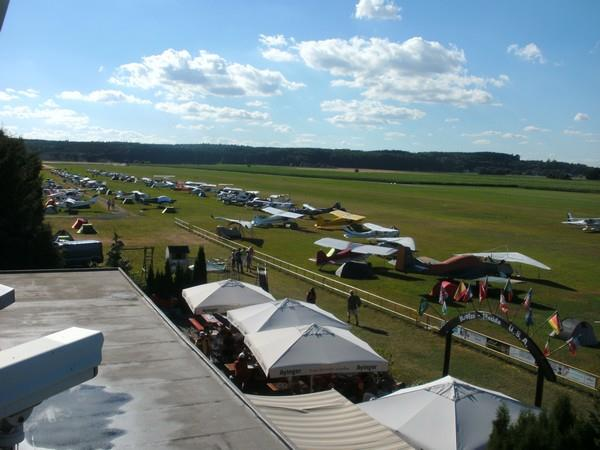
pixel 444 213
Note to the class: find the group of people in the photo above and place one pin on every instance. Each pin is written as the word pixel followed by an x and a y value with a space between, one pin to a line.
pixel 241 257
pixel 110 204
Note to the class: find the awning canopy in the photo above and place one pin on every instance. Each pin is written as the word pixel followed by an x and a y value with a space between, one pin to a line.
pixel 283 314
pixel 221 296
pixel 311 350
pixel 446 414
pixel 326 421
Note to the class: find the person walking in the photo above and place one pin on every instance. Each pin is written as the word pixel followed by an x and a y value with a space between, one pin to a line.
pixel 353 304
pixel 249 256
pixel 311 296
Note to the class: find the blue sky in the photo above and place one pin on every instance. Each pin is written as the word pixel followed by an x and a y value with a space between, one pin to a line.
pixel 512 76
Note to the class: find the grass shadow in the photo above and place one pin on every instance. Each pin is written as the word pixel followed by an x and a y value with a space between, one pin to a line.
pixel 549 283
pixel 374 330
pixel 391 273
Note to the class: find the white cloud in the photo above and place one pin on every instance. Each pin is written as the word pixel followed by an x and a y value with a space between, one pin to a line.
pixel 482 142
pixel 513 136
pixel 13 94
pixel 202 111
pixel 580 117
pixel 534 129
pixel 184 76
pixel 49 112
pixel 377 9
pixel 415 70
pixel 93 133
pixel 278 40
pixel 196 126
pixel 100 69
pixel 451 120
pixel 570 132
pixel 368 112
pixel 278 55
pixel 256 104
pixel 530 52
pixel 110 96
pixel 483 133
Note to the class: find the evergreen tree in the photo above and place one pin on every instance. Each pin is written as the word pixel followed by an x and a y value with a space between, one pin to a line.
pixel 199 274
pixel 115 257
pixel 150 281
pixel 26 240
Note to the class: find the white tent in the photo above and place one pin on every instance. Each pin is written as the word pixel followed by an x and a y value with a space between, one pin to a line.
pixel 283 314
pixel 445 414
pixel 224 295
pixel 311 350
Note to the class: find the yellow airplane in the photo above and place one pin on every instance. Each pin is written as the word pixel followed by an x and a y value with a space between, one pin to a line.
pixel 337 219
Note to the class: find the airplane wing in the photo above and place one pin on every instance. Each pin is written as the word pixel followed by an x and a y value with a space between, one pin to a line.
pixel 375 227
pixel 510 257
pixel 309 207
pixel 338 244
pixel 347 215
pixel 281 213
pixel 403 241
pixel 243 223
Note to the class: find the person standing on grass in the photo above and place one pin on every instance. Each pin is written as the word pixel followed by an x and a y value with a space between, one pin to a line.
pixel 354 303
pixel 311 296
pixel 249 256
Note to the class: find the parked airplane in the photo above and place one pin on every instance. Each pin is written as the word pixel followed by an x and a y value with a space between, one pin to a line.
pixel 369 230
pixel 337 219
pixel 277 217
pixel 71 203
pixel 589 224
pixel 312 212
pixel 395 242
pixel 466 265
pixel 344 251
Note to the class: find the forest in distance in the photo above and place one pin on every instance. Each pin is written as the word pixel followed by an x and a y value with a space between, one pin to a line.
pixel 478 162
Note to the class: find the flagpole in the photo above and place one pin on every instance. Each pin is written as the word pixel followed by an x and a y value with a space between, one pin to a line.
pixel 545 321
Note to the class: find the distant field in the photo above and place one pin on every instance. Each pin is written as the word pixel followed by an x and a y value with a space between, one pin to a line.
pixel 444 213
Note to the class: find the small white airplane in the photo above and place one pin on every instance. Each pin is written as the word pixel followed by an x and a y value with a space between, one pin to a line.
pixel 589 224
pixel 344 251
pixel 369 230
pixel 71 203
pixel 277 217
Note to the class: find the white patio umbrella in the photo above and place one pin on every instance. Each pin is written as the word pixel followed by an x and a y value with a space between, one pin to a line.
pixel 312 349
pixel 283 314
pixel 445 414
pixel 224 295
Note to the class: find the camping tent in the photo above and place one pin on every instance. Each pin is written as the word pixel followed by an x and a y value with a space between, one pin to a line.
pixel 355 270
pixel 579 329
pixel 78 222
pixel 444 414
pixel 312 349
pixel 224 295
pixel 326 420
pixel 87 228
pixel 283 314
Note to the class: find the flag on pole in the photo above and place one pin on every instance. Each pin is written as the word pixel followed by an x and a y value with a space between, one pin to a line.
pixel 444 308
pixel 459 294
pixel 503 304
pixel 554 322
pixel 483 288
pixel 529 318
pixel 527 299
pixel 572 342
pixel 423 306
pixel 469 295
pixel 508 291
pixel 546 350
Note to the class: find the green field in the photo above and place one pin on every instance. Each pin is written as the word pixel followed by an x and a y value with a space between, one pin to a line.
pixel 444 213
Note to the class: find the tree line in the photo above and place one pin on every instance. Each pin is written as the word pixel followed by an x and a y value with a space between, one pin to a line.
pixel 477 162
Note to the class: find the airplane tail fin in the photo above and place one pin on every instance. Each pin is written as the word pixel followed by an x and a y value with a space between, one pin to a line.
pixel 321 258
pixel 403 257
pixel 569 216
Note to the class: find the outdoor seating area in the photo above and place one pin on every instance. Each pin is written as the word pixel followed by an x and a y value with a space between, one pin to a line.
pixel 282 347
